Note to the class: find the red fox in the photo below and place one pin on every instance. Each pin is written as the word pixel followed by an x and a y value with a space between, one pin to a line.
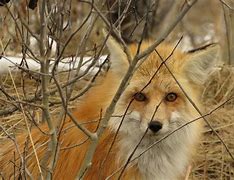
pixel 152 106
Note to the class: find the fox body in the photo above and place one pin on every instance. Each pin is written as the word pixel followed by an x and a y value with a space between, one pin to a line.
pixel 152 105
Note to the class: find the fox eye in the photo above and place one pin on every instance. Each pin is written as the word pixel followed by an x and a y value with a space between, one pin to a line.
pixel 139 96
pixel 171 97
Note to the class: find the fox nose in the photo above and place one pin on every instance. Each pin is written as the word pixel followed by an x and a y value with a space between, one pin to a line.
pixel 155 126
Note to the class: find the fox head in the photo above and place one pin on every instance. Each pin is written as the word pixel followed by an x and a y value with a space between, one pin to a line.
pixel 153 99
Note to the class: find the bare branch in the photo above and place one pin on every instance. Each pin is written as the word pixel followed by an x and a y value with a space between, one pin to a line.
pixel 27 126
pixel 197 109
pixel 169 134
pixel 123 84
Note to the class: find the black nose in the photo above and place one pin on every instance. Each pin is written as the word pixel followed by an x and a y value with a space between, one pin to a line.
pixel 155 126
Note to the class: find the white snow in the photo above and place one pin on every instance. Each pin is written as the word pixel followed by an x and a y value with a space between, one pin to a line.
pixel 13 63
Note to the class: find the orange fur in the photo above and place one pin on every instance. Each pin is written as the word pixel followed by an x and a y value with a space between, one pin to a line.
pixel 97 99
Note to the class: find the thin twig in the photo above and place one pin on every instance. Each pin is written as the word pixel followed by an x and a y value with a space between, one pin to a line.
pixel 122 86
pixel 72 117
pixel 196 107
pixel 167 29
pixel 171 133
pixel 27 126
pixel 138 144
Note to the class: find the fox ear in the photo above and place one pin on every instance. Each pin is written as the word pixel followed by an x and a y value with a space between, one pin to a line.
pixel 118 58
pixel 200 64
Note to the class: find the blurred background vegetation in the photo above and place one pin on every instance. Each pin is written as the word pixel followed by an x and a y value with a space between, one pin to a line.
pixel 207 22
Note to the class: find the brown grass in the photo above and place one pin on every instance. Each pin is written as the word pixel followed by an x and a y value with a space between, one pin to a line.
pixel 213 161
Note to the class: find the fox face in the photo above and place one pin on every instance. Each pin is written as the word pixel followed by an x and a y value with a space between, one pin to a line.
pixel 157 108
pixel 153 102
pixel 158 102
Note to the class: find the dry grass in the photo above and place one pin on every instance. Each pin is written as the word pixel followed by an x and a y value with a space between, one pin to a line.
pixel 213 161
pixel 27 87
